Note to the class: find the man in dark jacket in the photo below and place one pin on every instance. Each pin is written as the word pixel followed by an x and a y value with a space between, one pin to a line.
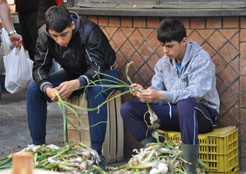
pixel 81 48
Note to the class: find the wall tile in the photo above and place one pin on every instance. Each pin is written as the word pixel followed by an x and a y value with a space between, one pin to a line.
pixel 235 64
pixel 126 22
pixel 243 22
pixel 243 83
pixel 242 132
pixel 243 115
pixel 128 31
pixel 235 111
pixel 214 22
pixel 243 149
pixel 119 38
pixel 146 50
pixel 228 33
pixel 228 120
pixel 219 63
pixel 197 23
pixel 136 39
pixel 228 52
pixel 114 21
pixel 243 50
pixel 217 40
pixel 243 66
pixel 137 61
pixel 242 164
pixel 235 41
pixel 195 36
pixel 139 22
pixel 186 22
pixel 228 75
pixel 235 88
pixel 205 33
pixel 153 22
pixel 243 99
pixel 229 99
pixel 209 49
pixel 220 85
pixel 230 22
pixel 127 49
pixel 243 35
pixel 103 21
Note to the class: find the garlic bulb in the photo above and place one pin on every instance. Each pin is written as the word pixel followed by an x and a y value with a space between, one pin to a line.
pixel 162 168
pixel 154 171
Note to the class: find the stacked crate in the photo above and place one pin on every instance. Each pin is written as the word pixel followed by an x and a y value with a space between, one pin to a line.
pixel 114 138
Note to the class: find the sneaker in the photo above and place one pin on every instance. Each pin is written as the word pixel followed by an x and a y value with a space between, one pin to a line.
pixel 102 162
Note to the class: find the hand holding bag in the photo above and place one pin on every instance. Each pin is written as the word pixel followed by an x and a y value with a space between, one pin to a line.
pixel 18 70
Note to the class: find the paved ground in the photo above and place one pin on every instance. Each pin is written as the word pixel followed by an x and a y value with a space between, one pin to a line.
pixel 14 132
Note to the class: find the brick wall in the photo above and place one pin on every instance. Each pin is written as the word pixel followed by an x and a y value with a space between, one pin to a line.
pixel 134 39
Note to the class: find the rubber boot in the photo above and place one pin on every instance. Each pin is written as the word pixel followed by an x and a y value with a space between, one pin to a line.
pixel 147 141
pixel 190 154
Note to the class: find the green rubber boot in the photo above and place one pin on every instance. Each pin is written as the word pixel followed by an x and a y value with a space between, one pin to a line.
pixel 190 154
pixel 147 141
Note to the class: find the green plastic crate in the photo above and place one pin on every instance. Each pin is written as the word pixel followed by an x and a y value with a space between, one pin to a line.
pixel 218 149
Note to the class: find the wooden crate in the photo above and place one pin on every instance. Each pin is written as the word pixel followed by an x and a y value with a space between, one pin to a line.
pixel 114 138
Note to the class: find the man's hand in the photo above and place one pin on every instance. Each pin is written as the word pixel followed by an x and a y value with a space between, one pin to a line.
pixel 16 40
pixel 137 86
pixel 65 89
pixel 150 95
pixel 50 92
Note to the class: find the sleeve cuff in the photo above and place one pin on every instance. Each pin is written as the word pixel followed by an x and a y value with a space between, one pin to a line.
pixel 82 81
pixel 169 96
pixel 45 87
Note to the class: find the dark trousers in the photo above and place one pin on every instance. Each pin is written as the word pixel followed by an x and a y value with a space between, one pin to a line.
pixel 187 116
pixel 29 30
pixel 37 108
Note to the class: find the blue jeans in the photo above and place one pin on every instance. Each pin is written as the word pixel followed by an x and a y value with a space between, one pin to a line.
pixel 187 116
pixel 37 108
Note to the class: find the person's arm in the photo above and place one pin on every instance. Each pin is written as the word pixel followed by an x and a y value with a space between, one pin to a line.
pixel 5 15
pixel 96 49
pixel 42 62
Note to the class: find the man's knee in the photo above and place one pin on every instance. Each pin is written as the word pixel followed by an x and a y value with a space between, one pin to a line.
pixel 125 109
pixel 94 91
pixel 185 108
pixel 185 104
pixel 32 87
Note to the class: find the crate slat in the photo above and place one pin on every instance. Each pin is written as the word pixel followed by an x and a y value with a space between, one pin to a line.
pixel 120 133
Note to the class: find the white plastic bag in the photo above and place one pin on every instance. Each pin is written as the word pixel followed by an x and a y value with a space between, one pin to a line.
pixel 18 70
pixel 6 47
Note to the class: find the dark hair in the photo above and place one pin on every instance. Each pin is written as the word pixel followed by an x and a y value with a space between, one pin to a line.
pixel 57 18
pixel 171 29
